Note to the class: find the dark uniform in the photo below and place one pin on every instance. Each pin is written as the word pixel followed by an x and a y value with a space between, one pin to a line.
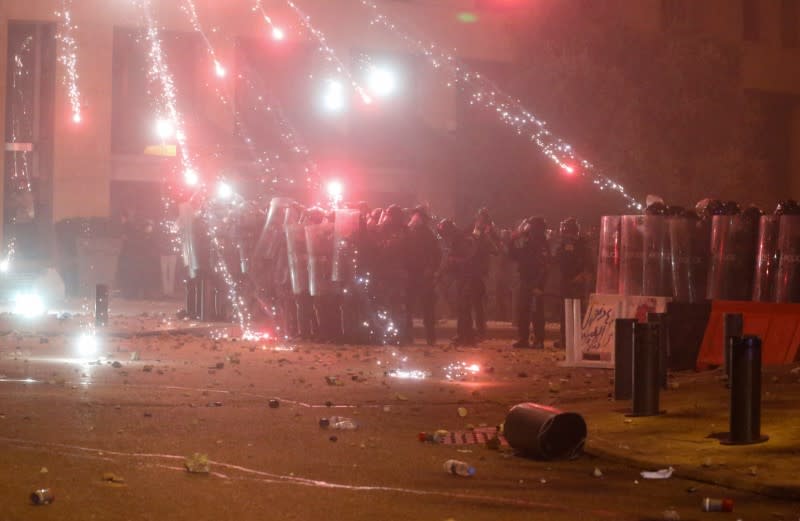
pixel 572 257
pixel 391 270
pixel 486 244
pixel 529 249
pixel 424 258
pixel 460 262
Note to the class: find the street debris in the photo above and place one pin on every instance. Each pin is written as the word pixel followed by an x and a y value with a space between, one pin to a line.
pixel 658 474
pixel 43 470
pixel 324 423
pixel 42 496
pixel 110 477
pixel 333 380
pixel 197 463
pixel 670 515
pixel 147 368
pixel 342 423
pixel 597 473
pixel 274 403
pixel 717 505
pixel 116 364
pixel 435 437
pixel 462 411
pixel 135 356
pixel 459 468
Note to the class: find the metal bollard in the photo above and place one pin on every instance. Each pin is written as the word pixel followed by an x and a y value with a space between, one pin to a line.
pixel 662 319
pixel 732 326
pixel 745 381
pixel 645 370
pixel 101 305
pixel 623 358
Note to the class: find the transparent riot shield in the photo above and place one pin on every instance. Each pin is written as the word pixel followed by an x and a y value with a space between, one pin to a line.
pixel 787 288
pixel 631 258
pixel 346 228
pixel 733 257
pixel 608 256
pixel 319 241
pixel 184 222
pixel 657 276
pixel 269 240
pixel 689 241
pixel 766 259
pixel 297 255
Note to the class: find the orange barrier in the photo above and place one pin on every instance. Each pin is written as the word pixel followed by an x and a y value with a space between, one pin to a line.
pixel 778 325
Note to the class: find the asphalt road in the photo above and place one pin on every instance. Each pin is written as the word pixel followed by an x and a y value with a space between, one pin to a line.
pixel 65 422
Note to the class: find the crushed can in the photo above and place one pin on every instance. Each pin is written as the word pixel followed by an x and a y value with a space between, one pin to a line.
pixel 717 505
pixel 42 496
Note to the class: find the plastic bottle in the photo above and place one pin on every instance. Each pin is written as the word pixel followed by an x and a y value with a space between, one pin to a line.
pixel 42 496
pixel 717 505
pixel 459 468
pixel 341 423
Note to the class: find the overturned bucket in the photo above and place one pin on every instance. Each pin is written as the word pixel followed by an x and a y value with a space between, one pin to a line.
pixel 544 432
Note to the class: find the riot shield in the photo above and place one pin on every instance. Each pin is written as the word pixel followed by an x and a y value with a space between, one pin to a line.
pixel 297 254
pixel 766 260
pixel 608 256
pixel 657 276
pixel 733 257
pixel 346 228
pixel 631 259
pixel 269 240
pixel 689 241
pixel 184 222
pixel 319 241
pixel 787 288
pixel 199 247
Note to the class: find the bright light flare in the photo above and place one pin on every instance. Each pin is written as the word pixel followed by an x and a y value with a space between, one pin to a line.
pixel 382 81
pixel 86 345
pixel 224 191
pixel 76 118
pixel 28 305
pixel 335 190
pixel 408 374
pixel 219 70
pixel 278 34
pixel 5 265
pixel 165 129
pixel 191 177
pixel 568 169
pixel 333 99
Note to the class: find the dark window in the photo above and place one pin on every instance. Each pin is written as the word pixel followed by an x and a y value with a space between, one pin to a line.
pixel 751 21
pixel 29 127
pixel 136 95
pixel 790 20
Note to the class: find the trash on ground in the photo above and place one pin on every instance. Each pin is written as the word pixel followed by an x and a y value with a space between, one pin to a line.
pixel 435 437
pixel 342 423
pixel 42 496
pixel 324 423
pixel 274 404
pixel 717 505
pixel 459 468
pixel 597 473
pixel 197 463
pixel 462 411
pixel 135 356
pixel 658 474
pixel 113 478
pixel 333 380
pixel 670 515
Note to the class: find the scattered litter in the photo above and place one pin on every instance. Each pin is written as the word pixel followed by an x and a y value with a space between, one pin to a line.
pixel 670 515
pixel 220 365
pixel 135 356
pixel 543 481
pixel 43 496
pixel 333 438
pixel 437 437
pixel 707 462
pixel 691 490
pixel 43 471
pixel 401 397
pixel 147 368
pixel 333 380
pixel 658 474
pixel 462 411
pixel 274 404
pixel 717 505
pixel 197 463
pixel 214 404
pixel 796 370
pixel 324 423
pixel 113 478
pixel 753 471
pixel 597 473
pixel 342 423
pixel 459 468
pixel 116 364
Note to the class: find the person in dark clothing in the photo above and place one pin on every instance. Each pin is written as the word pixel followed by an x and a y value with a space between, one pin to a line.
pixel 487 246
pixel 424 258
pixel 572 256
pixel 459 261
pixel 391 270
pixel 529 249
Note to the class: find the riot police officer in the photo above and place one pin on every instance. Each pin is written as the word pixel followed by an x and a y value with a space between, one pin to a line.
pixel 531 252
pixel 460 262
pixel 424 258
pixel 572 256
pixel 391 271
pixel 486 241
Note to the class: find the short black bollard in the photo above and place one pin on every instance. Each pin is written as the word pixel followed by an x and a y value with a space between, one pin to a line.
pixel 662 319
pixel 623 358
pixel 745 380
pixel 101 305
pixel 191 297
pixel 732 327
pixel 645 370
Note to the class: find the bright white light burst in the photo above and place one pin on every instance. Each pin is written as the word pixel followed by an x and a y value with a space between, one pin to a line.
pixel 68 57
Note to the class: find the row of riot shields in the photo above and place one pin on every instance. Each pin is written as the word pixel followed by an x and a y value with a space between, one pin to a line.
pixel 732 257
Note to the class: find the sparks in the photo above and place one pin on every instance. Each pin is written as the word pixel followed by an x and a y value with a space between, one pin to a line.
pixel 68 57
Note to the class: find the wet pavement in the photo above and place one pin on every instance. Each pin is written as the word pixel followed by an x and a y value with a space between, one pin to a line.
pixel 143 404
